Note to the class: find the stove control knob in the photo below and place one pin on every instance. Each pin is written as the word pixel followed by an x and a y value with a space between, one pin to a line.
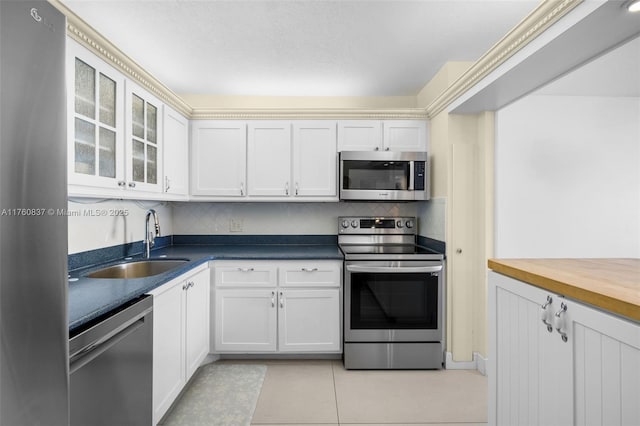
pixel 354 223
pixel 409 223
pixel 345 223
pixel 399 224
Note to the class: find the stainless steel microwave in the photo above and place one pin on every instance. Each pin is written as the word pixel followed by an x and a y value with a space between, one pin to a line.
pixel 384 175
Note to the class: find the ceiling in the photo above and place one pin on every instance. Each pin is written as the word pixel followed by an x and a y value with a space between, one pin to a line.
pixel 300 47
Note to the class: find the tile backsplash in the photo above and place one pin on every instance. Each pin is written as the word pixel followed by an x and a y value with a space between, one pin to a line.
pixel 275 218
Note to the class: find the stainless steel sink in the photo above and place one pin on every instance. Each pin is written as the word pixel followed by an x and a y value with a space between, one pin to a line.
pixel 138 269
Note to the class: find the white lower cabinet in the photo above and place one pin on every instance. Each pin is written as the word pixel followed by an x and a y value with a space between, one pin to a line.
pixel 277 306
pixel 180 335
pixel 583 368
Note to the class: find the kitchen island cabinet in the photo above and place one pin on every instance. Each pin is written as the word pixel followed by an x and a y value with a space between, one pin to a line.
pixel 555 359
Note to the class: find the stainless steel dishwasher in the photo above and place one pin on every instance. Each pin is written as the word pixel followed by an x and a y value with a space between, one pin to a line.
pixel 110 365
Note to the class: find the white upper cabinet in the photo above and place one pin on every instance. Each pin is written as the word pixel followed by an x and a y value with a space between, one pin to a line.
pixel 405 135
pixel 176 150
pixel 219 158
pixel 95 121
pixel 269 158
pixel 360 135
pixel 386 135
pixel 264 160
pixel 143 139
pixel 314 159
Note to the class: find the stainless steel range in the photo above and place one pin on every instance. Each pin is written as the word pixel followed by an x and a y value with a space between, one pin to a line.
pixel 394 295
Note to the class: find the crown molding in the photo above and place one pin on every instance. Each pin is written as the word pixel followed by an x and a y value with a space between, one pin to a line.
pixel 307 113
pixel 88 37
pixel 542 17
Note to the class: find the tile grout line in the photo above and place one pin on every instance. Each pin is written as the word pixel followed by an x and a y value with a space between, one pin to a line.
pixel 335 391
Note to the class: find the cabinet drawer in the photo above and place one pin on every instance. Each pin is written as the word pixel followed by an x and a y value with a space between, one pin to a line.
pixel 310 274
pixel 245 275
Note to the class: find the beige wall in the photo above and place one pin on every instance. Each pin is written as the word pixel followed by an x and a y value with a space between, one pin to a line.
pixel 469 222
pixel 294 102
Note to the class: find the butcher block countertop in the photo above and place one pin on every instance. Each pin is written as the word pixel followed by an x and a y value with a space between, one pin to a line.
pixel 609 284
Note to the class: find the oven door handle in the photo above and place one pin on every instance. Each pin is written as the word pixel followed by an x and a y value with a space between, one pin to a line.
pixel 358 268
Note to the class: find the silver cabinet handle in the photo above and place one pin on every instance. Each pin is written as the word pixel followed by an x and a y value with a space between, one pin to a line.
pixel 281 300
pixel 190 284
pixel 242 189
pixel 273 299
pixel 245 269
pixel 559 321
pixel 309 270
pixel 286 188
pixel 544 314
pixel 167 183
pixel 297 188
pixel 132 184
pixel 122 183
pixel 186 286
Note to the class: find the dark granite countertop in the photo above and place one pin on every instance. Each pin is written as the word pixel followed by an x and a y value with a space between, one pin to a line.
pixel 90 298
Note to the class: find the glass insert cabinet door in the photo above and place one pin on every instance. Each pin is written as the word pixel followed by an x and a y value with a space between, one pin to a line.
pixel 96 120
pixel 143 110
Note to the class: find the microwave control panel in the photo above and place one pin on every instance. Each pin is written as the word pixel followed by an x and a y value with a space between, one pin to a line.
pixel 418 176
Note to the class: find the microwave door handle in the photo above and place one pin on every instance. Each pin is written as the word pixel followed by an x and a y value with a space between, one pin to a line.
pixel 373 269
pixel 411 175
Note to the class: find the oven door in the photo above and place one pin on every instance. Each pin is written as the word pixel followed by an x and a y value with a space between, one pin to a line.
pixel 393 301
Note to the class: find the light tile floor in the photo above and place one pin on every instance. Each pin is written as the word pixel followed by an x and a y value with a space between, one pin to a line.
pixel 324 393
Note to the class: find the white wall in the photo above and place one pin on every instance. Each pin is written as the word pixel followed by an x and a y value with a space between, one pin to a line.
pixel 568 177
pixel 96 225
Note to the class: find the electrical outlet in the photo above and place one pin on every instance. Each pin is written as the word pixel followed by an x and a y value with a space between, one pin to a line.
pixel 235 225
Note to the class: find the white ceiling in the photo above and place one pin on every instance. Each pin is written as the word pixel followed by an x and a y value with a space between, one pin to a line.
pixel 300 47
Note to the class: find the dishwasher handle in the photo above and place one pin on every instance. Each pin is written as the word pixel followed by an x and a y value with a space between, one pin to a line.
pixel 400 269
pixel 91 352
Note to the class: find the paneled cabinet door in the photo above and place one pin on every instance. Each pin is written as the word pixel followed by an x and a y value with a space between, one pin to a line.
pixel 309 320
pixel 606 362
pixel 176 149
pixel 269 158
pixel 314 158
pixel 405 135
pixel 197 320
pixel 168 348
pixel 95 120
pixel 143 141
pixel 360 135
pixel 219 158
pixel 531 369
pixel 245 320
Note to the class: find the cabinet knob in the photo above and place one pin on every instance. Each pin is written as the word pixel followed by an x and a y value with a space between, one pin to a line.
pixel 377 148
pixel 459 251
pixel 386 149
pixel 122 183
pixel 132 184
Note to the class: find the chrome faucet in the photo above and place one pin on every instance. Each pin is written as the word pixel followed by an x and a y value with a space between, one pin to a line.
pixel 149 237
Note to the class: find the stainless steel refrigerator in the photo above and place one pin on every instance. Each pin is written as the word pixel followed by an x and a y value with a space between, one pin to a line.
pixel 33 230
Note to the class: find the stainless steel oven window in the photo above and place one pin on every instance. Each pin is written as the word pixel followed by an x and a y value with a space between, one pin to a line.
pixel 394 301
